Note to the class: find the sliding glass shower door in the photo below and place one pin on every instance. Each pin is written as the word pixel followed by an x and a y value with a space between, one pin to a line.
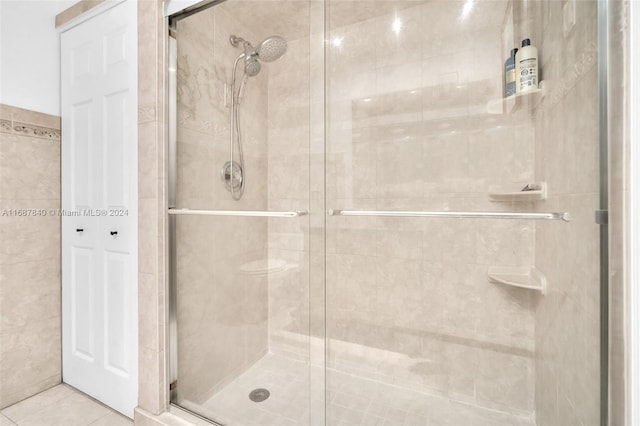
pixel 368 226
pixel 462 252
pixel 248 339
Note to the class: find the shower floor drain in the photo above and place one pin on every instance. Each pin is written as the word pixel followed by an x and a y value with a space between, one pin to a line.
pixel 259 395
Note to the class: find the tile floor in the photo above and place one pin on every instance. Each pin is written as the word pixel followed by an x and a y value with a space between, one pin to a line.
pixel 353 401
pixel 61 405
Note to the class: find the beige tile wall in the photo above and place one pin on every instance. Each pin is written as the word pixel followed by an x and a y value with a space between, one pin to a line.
pixel 221 262
pixel 30 336
pixel 567 319
pixel 153 391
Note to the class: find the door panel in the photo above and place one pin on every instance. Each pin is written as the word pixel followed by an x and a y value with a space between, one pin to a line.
pixel 79 173
pixel 116 305
pixel 82 304
pixel 99 195
pixel 116 188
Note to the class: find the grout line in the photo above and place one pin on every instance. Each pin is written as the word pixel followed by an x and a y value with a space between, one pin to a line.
pixel 99 418
pixel 8 419
pixel 109 414
pixel 40 408
pixel 92 399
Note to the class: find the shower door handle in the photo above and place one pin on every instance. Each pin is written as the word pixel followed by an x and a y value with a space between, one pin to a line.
pixel 564 216
pixel 239 213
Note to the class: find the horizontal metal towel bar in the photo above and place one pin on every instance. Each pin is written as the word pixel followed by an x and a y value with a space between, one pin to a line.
pixel 477 215
pixel 239 213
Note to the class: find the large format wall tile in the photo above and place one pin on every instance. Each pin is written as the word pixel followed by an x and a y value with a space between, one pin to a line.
pixel 567 319
pixel 30 346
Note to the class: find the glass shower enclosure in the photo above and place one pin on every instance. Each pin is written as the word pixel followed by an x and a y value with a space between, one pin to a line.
pixel 366 228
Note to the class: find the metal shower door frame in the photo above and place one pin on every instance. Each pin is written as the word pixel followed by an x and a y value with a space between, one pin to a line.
pixel 172 124
pixel 601 215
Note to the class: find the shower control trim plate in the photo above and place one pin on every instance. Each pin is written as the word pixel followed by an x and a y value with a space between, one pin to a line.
pixel 232 176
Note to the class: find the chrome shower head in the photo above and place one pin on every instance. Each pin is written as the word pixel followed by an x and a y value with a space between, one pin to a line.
pixel 268 50
pixel 251 66
pixel 271 48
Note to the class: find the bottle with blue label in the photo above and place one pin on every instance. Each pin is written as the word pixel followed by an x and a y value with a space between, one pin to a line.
pixel 510 74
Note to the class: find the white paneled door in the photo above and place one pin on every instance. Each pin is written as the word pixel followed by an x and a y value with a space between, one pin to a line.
pixel 99 206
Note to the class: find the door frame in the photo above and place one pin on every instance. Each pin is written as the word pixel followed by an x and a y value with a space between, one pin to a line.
pixel 91 13
pixel 602 20
pixel 172 124
pixel 633 399
pixel 602 212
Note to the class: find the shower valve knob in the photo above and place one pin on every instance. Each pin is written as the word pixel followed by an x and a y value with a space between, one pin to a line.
pixel 79 229
pixel 114 232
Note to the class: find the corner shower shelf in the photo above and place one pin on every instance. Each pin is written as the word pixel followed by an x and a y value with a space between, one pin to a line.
pixel 264 267
pixel 520 101
pixel 523 277
pixel 520 196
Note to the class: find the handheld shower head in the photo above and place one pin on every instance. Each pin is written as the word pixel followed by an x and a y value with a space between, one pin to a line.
pixel 251 66
pixel 268 50
pixel 271 48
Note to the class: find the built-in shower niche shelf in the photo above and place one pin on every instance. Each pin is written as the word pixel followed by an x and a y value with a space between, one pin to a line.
pixel 264 267
pixel 537 194
pixel 518 276
pixel 527 101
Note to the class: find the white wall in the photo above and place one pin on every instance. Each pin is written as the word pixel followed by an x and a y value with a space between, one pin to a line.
pixel 30 54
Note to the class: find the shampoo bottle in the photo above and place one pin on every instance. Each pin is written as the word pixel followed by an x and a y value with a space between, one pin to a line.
pixel 526 67
pixel 510 74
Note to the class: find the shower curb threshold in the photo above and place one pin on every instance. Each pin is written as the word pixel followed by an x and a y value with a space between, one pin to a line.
pixel 173 417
